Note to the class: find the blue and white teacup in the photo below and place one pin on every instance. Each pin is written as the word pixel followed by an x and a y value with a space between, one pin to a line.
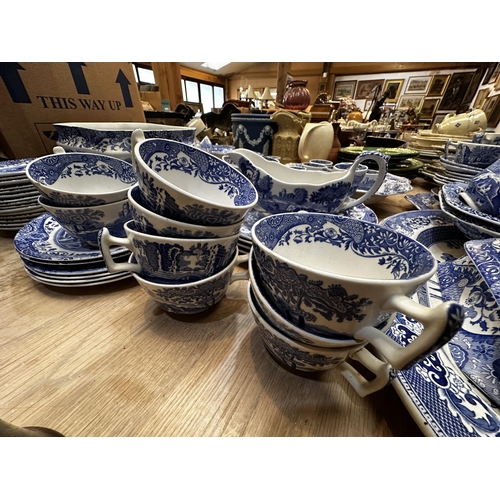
pixel 169 260
pixel 330 273
pixel 483 193
pixel 486 138
pixel 474 154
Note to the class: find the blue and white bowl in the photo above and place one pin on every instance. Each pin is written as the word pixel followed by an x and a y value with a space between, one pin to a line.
pixel 147 221
pixel 196 297
pixel 330 273
pixel 81 179
pixel 169 260
pixel 114 139
pixel 474 154
pixel 85 223
pixel 191 185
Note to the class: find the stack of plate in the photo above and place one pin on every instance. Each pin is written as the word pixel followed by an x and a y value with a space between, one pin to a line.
pixel 402 161
pixel 18 196
pixel 54 257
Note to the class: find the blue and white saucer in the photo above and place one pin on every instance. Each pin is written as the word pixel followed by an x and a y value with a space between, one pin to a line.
pixel 476 346
pixel 451 193
pixel 393 184
pixel 423 201
pixel 43 240
pixel 450 164
pixel 439 397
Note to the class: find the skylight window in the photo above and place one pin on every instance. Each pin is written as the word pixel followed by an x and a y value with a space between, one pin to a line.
pixel 214 65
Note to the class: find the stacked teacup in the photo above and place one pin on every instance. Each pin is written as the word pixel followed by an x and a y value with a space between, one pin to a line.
pixel 323 286
pixel 84 192
pixel 187 210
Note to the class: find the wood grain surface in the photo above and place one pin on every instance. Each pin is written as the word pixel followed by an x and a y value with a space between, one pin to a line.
pixel 107 361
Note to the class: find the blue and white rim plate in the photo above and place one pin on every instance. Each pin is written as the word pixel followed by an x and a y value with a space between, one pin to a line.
pixel 451 194
pixel 485 255
pixel 44 240
pixel 476 346
pixel 435 391
pixel 111 278
pixel 14 168
pixel 459 167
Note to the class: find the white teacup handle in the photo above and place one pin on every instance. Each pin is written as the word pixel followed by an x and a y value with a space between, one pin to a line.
pixel 245 275
pixel 136 137
pixel 382 162
pixel 380 369
pixel 58 150
pixel 106 240
pixel 440 323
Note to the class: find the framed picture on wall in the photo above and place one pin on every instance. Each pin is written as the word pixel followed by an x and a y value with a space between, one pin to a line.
pixel 343 90
pixel 480 98
pixel 365 88
pixel 417 84
pixel 494 74
pixel 429 106
pixel 410 101
pixel 494 116
pixel 455 91
pixel 437 85
pixel 394 88
pixel 368 105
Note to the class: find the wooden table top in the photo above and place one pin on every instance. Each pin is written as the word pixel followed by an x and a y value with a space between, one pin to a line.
pixel 107 361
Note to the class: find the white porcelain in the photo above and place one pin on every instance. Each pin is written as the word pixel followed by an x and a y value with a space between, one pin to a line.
pixel 463 123
pixel 284 189
pixel 169 260
pixel 189 184
pixel 85 223
pixel 114 138
pixel 150 222
pixel 303 357
pixel 329 273
pixel 81 179
pixel 198 124
pixel 315 141
pixel 196 297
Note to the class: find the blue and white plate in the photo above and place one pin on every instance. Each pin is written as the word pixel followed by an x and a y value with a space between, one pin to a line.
pixel 44 240
pixel 485 255
pixel 435 391
pixel 423 201
pixel 476 346
pixel 451 193
pixel 12 169
pixel 393 184
pixel 450 164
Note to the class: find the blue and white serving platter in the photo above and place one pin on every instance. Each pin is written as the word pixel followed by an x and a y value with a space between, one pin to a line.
pixel 451 193
pixel 476 347
pixel 43 240
pixel 435 391
pixel 485 255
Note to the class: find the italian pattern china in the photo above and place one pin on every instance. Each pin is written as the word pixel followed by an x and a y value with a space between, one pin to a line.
pixel 476 347
pixel 440 398
pixel 283 189
pixel 114 139
pixel 189 184
pixel 341 276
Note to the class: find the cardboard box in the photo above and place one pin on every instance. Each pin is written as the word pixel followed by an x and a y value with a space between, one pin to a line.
pixel 34 96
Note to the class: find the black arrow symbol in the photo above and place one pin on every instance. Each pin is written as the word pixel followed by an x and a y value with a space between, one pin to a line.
pixel 9 72
pixel 76 69
pixel 124 83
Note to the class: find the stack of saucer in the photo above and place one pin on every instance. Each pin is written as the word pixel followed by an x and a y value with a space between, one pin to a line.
pixel 18 197
pixel 54 257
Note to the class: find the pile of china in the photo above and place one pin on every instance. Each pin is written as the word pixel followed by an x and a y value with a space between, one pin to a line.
pixel 82 193
pixel 187 210
pixel 324 286
pixel 474 205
